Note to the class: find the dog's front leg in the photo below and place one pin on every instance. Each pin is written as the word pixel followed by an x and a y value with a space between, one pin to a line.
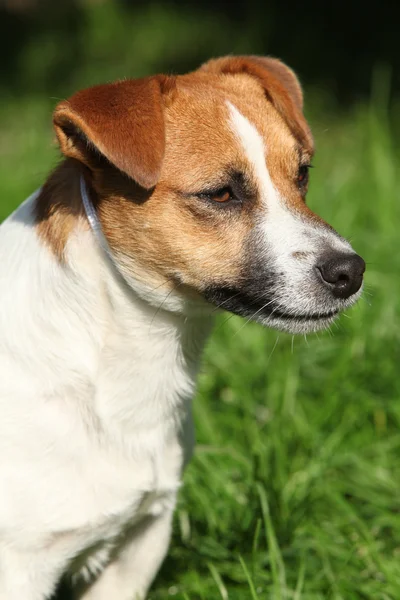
pixel 28 575
pixel 130 575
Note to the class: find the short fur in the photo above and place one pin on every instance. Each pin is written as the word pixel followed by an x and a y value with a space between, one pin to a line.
pixel 196 184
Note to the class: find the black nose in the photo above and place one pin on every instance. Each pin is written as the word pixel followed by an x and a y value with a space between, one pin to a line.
pixel 342 273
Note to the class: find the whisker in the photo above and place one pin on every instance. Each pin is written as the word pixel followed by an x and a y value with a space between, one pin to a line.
pixel 366 301
pixel 173 289
pixel 160 285
pixel 225 301
pixel 253 315
pixel 329 330
pixel 224 321
pixel 273 350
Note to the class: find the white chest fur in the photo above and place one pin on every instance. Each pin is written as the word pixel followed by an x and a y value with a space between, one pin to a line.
pixel 95 395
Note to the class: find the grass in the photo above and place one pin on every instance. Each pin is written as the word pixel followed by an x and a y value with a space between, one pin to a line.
pixel 294 491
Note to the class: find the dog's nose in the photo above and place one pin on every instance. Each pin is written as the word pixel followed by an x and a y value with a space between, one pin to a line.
pixel 342 273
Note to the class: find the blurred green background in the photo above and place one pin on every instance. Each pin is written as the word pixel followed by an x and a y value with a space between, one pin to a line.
pixel 294 492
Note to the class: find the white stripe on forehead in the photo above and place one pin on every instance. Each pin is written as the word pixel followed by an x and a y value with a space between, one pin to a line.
pixel 255 150
pixel 285 231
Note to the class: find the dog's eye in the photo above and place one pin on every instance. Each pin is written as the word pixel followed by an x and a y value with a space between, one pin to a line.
pixel 302 177
pixel 223 195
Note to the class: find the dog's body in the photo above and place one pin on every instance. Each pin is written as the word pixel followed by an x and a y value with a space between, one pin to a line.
pixel 96 417
pixel 102 337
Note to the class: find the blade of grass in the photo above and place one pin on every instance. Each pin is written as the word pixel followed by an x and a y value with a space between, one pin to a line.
pixel 254 594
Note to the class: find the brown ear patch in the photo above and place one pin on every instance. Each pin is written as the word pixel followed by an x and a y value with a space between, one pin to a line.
pixel 123 121
pixel 280 84
pixel 114 130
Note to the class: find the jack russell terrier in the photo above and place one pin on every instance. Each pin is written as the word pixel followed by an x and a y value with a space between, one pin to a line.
pixel 176 195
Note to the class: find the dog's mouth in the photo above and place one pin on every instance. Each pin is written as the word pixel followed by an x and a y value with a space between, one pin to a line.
pixel 321 316
pixel 267 310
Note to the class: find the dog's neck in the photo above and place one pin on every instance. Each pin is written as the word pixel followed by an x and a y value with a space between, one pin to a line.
pixel 148 364
pixel 148 356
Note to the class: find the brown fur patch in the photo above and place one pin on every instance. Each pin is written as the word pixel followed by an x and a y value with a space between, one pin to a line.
pixel 188 146
pixel 58 207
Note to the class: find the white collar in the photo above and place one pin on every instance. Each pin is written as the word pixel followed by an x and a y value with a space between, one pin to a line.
pixel 93 219
pixel 97 229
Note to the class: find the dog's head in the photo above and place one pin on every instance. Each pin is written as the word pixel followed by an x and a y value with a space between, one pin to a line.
pixel 200 184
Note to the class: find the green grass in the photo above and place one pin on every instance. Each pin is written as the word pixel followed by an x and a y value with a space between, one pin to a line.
pixel 294 490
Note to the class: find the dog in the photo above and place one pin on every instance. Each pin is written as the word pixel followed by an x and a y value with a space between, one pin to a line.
pixel 176 195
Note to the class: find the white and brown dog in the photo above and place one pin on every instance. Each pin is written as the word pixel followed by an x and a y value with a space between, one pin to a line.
pixel 177 195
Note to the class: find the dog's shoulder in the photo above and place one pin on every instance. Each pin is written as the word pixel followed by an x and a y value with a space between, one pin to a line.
pixel 69 378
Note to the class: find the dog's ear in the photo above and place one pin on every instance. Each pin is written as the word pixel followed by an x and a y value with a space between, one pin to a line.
pixel 122 121
pixel 281 86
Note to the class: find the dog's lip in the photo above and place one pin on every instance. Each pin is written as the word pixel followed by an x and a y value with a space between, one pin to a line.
pixel 303 317
pixel 246 305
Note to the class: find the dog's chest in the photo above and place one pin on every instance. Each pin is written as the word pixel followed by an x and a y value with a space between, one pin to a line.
pixel 145 438
pixel 124 502
pixel 143 407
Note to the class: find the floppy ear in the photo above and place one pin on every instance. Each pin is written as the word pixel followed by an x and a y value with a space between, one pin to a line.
pixel 122 121
pixel 282 88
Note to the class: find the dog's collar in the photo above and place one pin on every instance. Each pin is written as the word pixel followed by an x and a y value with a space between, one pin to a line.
pixel 93 219
pixel 95 226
